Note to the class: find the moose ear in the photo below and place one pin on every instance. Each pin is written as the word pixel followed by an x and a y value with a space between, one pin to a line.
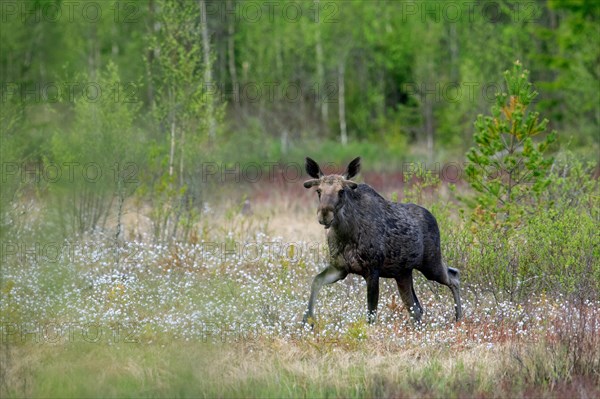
pixel 312 182
pixel 352 169
pixel 313 169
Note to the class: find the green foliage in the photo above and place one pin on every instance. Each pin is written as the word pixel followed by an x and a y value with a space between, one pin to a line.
pixel 104 129
pixel 357 331
pixel 10 152
pixel 184 110
pixel 555 249
pixel 553 252
pixel 419 183
pixel 507 169
pixel 402 69
pixel 573 184
pixel 98 157
pixel 376 155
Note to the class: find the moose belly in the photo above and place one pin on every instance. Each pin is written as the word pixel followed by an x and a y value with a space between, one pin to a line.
pixel 393 270
pixel 359 262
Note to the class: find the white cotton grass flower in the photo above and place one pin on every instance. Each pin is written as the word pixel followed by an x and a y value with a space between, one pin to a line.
pixel 184 291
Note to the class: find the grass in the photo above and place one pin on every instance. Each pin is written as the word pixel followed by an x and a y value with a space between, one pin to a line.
pixel 280 368
pixel 203 318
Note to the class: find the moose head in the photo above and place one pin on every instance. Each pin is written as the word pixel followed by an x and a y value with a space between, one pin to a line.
pixel 331 189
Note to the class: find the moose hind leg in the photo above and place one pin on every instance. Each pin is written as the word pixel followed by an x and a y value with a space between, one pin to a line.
pixel 328 276
pixel 447 276
pixel 408 296
pixel 454 284
pixel 372 297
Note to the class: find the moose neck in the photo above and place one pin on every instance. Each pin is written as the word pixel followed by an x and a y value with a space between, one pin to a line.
pixel 348 219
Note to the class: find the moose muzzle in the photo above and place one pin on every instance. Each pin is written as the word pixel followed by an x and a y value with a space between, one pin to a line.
pixel 325 216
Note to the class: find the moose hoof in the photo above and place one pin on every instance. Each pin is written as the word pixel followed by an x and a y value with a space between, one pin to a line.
pixel 416 318
pixel 458 312
pixel 371 318
pixel 309 320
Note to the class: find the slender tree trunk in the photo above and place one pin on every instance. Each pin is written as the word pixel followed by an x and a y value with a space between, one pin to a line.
pixel 322 94
pixel 115 44
pixel 172 117
pixel 220 73
pixel 453 44
pixel 342 102
pixel 428 111
pixel 278 55
pixel 153 28
pixel 182 150
pixel 118 233
pixel 93 52
pixel 284 141
pixel 208 81
pixel 381 111
pixel 231 54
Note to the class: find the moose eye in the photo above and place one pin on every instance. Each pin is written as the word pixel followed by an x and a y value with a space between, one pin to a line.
pixel 319 192
pixel 340 193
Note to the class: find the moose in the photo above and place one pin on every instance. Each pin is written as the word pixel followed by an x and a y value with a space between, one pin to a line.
pixel 373 237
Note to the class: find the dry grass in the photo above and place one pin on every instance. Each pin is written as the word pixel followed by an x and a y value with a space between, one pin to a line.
pixel 204 326
pixel 277 367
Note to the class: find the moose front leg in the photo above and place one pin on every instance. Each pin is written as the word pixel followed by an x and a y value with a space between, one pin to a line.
pixel 328 276
pixel 372 296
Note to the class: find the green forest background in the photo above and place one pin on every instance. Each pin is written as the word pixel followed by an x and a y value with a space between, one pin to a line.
pixel 414 73
pixel 152 91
